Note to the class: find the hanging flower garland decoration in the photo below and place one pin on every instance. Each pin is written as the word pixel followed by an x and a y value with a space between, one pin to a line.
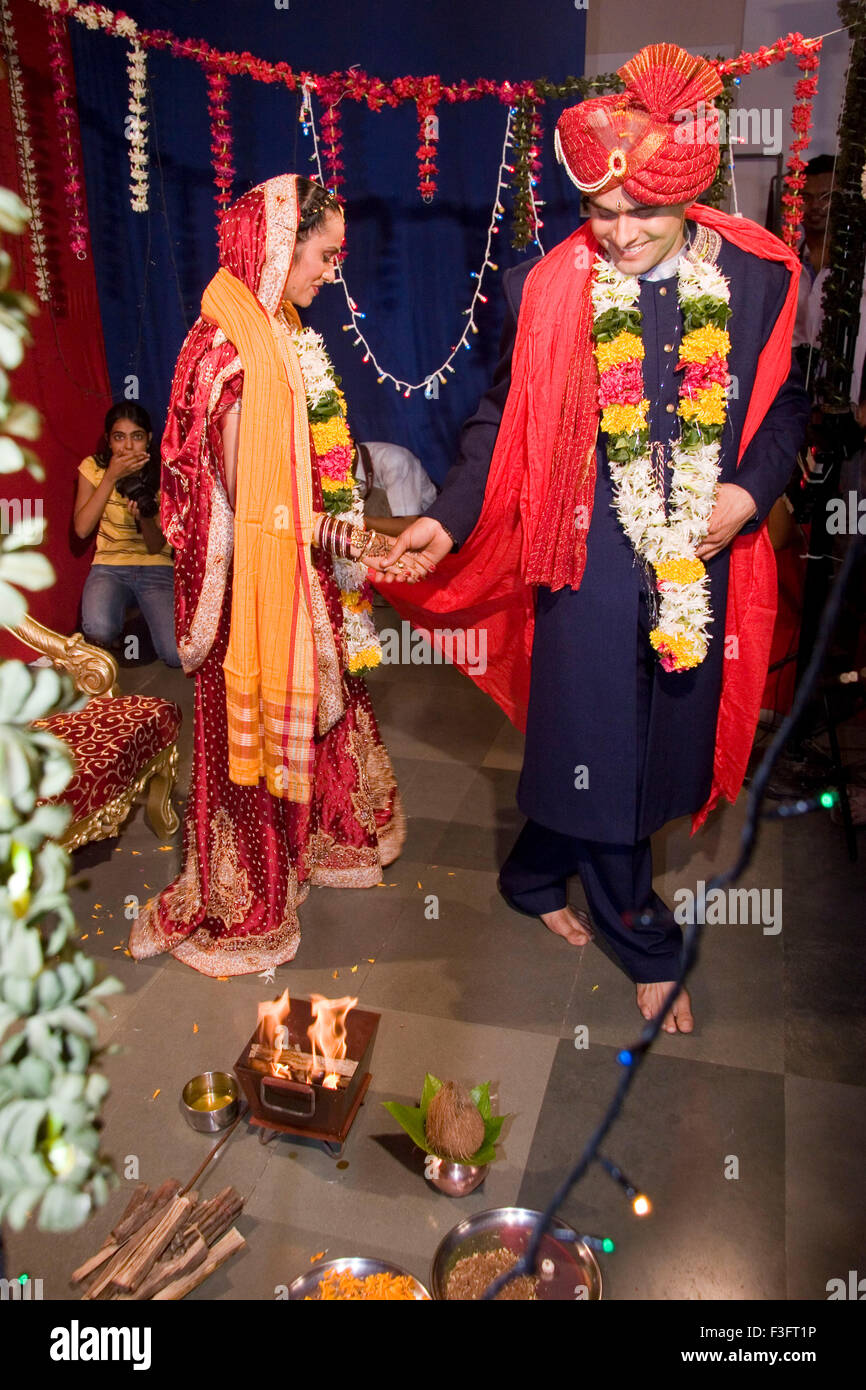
pixel 428 131
pixel 330 91
pixel 221 139
pixel 664 538
pixel 526 171
pixel 805 92
pixel 341 497
pixel 136 128
pixel 73 182
pixel 26 163
pixel 359 86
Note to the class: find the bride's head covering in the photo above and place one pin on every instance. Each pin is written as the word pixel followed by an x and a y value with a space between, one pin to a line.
pixel 257 241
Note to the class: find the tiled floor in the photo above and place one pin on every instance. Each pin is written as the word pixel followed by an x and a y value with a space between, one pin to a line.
pixel 769 1087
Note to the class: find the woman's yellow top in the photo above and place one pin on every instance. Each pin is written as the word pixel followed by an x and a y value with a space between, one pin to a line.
pixel 118 540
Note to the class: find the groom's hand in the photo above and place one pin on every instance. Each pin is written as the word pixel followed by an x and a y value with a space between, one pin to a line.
pixel 424 544
pixel 734 507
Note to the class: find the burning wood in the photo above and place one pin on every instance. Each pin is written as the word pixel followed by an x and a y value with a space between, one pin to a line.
pixel 328 1032
pixel 301 1066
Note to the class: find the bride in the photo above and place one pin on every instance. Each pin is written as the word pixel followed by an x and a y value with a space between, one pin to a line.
pixel 291 784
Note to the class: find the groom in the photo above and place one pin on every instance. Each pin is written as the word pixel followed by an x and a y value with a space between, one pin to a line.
pixel 617 743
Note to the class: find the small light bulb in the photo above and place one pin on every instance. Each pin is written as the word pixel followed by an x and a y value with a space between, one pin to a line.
pixel 641 1206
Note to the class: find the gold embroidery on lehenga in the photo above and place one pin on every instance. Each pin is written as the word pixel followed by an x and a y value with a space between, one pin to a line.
pixel 331 705
pixel 184 902
pixel 375 777
pixel 195 646
pixel 230 897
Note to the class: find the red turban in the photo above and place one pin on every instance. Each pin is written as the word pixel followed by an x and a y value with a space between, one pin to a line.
pixel 659 138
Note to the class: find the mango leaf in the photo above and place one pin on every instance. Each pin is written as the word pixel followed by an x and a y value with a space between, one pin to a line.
pixel 413 1119
pixel 481 1096
pixel 431 1085
pixel 410 1118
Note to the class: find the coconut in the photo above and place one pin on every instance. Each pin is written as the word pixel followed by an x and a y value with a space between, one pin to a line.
pixel 454 1126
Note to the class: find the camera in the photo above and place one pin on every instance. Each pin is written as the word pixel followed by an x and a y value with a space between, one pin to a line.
pixel 136 488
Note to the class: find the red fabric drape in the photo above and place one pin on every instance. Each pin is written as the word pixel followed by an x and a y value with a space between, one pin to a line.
pixel 485 585
pixel 64 374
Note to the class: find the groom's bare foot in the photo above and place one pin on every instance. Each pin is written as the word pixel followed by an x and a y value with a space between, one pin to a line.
pixel 569 923
pixel 679 1018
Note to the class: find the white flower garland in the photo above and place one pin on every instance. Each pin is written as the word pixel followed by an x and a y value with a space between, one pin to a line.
pixel 359 631
pixel 659 534
pixel 26 162
pixel 136 128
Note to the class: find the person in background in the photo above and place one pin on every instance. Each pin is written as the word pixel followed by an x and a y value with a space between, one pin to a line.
pixel 118 493
pixel 814 250
pixel 399 474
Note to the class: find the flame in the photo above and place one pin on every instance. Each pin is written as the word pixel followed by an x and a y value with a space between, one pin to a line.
pixel 271 1031
pixel 327 1032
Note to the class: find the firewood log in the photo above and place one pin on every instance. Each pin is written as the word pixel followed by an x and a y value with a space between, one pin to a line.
pixel 229 1245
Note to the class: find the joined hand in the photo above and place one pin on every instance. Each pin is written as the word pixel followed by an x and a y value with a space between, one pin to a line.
pixel 415 553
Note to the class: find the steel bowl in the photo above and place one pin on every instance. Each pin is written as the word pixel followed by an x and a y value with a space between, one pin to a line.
pixel 210 1083
pixel 307 1285
pixel 568 1270
pixel 455 1179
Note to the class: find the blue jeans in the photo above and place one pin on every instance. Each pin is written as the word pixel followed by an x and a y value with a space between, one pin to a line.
pixel 110 589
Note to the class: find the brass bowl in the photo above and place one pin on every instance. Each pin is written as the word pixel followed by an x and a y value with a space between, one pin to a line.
pixel 223 1088
pixel 307 1285
pixel 572 1271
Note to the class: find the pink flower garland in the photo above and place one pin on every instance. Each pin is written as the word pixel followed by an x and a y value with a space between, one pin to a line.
pixel 73 182
pixel 221 139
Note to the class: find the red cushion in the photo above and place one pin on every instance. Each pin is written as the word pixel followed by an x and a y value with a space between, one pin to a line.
pixel 111 739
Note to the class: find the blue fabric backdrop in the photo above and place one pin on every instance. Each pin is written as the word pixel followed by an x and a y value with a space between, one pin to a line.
pixel 409 263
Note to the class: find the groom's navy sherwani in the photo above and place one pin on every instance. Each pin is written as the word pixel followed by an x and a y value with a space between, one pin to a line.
pixel 616 746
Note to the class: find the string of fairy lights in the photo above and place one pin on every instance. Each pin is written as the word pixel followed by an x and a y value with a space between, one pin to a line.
pixel 430 383
pixel 632 1058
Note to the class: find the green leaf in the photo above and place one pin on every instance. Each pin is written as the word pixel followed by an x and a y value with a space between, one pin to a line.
pixel 410 1118
pixel 431 1086
pixel 13 606
pixel 63 1209
pixel 28 569
pixel 481 1096
pixel 20 1207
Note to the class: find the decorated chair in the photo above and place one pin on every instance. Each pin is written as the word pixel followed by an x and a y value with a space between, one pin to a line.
pixel 123 745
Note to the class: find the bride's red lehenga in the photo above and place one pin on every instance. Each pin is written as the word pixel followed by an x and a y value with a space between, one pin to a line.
pixel 250 858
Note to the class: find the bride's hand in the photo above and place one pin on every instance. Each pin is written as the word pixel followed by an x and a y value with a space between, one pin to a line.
pixel 415 553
